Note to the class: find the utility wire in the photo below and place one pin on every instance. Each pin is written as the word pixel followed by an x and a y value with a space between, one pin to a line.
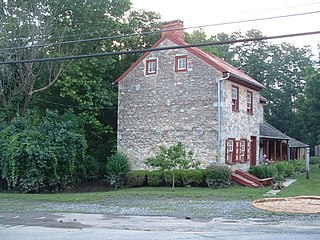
pixel 123 28
pixel 162 48
pixel 158 31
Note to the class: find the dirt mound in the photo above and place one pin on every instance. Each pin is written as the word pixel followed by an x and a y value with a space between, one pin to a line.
pixel 301 204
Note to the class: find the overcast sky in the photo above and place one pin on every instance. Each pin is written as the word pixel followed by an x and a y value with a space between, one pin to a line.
pixel 203 12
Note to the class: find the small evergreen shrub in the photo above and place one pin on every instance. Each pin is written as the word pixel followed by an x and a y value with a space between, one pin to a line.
pixel 193 178
pixel 218 176
pixel 155 178
pixel 117 168
pixel 137 178
pixel 314 160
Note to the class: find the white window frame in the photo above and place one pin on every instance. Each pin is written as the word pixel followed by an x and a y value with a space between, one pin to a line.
pixel 181 63
pixel 151 66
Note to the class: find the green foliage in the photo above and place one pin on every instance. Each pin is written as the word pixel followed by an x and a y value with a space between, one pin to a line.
pixel 173 158
pixel 172 175
pixel 42 156
pixel 155 178
pixel 218 176
pixel 193 177
pixel 137 178
pixel 117 169
pixel 279 170
pixel 314 160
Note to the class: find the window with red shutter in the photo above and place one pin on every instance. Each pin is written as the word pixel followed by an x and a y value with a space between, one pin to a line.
pixel 249 102
pixel 235 98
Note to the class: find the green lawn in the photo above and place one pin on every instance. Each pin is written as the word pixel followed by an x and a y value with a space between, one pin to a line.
pixel 301 187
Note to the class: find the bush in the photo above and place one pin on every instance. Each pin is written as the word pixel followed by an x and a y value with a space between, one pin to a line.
pixel 137 178
pixel 264 171
pixel 314 160
pixel 279 170
pixel 117 169
pixel 218 176
pixel 42 155
pixel 155 178
pixel 170 175
pixel 193 178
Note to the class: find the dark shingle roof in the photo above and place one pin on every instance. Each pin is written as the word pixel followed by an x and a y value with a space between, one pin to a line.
pixel 269 131
pixel 295 143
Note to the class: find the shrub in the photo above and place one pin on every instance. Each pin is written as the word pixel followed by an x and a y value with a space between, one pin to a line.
pixel 173 158
pixel 155 178
pixel 42 155
pixel 171 175
pixel 314 160
pixel 299 165
pixel 193 177
pixel 218 176
pixel 117 168
pixel 137 178
pixel 264 171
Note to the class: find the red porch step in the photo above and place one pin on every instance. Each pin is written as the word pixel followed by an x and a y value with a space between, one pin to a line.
pixel 264 181
pixel 244 181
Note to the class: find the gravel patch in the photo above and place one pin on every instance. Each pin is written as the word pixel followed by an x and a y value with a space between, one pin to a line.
pixel 202 209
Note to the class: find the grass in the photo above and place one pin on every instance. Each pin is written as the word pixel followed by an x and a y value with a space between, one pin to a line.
pixel 237 192
pixel 301 187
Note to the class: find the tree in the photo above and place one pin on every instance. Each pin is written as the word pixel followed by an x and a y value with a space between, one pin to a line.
pixel 42 154
pixel 308 109
pixel 173 158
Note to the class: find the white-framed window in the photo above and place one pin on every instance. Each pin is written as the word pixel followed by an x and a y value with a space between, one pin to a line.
pixel 230 150
pixel 235 98
pixel 242 150
pixel 181 63
pixel 151 66
pixel 249 103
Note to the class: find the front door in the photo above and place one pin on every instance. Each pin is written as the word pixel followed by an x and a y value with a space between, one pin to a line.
pixel 253 154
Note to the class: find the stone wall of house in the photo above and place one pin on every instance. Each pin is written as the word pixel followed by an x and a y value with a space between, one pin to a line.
pixel 239 125
pixel 167 108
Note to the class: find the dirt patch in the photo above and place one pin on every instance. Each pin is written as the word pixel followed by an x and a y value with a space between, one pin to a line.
pixel 301 204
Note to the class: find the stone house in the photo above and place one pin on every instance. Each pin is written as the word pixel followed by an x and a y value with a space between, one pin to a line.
pixel 191 96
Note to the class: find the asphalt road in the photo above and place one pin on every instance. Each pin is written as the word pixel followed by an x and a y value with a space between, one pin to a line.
pixel 65 226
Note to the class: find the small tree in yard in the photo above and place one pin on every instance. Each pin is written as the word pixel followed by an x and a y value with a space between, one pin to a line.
pixel 173 158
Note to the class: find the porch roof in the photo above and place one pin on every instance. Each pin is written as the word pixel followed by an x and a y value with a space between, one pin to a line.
pixel 295 143
pixel 270 132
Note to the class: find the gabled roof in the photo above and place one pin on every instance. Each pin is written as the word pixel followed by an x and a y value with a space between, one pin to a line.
pixel 209 58
pixel 269 131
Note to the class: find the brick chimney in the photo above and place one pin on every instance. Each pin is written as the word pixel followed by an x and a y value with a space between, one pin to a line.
pixel 173 28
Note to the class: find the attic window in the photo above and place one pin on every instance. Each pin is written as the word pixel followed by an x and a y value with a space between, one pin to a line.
pixel 151 66
pixel 235 98
pixel 181 63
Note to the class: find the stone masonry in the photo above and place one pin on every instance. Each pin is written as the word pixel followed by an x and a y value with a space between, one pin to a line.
pixel 168 107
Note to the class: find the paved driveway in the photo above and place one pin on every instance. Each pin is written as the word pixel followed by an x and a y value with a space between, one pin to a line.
pixel 71 226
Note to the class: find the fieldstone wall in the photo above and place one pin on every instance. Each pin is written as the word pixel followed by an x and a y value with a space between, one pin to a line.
pixel 240 125
pixel 168 107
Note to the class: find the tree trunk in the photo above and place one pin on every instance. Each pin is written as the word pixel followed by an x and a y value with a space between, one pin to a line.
pixel 173 179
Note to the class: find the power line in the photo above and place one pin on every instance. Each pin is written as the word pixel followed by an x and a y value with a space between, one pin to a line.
pixel 122 28
pixel 163 48
pixel 158 31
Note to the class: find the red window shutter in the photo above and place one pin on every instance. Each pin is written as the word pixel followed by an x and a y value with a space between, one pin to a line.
pixel 227 151
pixel 247 150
